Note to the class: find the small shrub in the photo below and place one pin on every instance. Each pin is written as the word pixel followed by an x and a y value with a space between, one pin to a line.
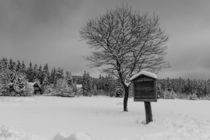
pixel 193 97
pixel 61 88
pixel 182 96
pixel 119 92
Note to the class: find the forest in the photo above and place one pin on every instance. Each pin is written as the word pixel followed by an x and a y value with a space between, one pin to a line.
pixel 18 79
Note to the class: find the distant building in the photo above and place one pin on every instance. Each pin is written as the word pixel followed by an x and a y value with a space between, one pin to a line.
pixel 36 87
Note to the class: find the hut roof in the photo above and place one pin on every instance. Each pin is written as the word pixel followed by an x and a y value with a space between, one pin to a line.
pixel 146 73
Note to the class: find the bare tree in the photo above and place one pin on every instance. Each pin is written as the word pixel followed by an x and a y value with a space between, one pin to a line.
pixel 125 42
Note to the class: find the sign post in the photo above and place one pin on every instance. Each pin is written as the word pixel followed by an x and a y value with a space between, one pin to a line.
pixel 148 112
pixel 144 87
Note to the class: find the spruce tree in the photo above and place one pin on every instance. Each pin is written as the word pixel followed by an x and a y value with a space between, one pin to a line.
pixel 46 75
pixel 68 78
pixel 23 67
pixel 18 67
pixel 86 84
pixel 11 65
pixel 53 76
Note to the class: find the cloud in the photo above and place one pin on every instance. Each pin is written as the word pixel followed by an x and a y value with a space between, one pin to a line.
pixel 44 31
pixel 38 30
pixel 46 10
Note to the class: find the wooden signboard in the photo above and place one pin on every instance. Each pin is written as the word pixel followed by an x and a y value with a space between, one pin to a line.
pixel 145 89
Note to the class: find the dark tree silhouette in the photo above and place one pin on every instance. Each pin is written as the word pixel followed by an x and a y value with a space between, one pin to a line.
pixel 125 42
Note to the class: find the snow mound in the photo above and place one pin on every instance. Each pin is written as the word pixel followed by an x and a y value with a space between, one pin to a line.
pixel 8 134
pixel 74 136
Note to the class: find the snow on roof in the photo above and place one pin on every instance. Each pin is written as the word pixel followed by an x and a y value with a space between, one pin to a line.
pixel 146 73
pixel 79 85
pixel 31 83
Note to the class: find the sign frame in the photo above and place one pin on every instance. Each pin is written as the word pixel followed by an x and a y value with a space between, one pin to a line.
pixel 143 85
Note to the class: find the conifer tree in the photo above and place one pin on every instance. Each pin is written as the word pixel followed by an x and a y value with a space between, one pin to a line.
pixel 30 73
pixel 68 78
pixel 46 75
pixel 18 66
pixel 59 74
pixel 40 75
pixel 23 67
pixel 53 76
pixel 86 83
pixel 11 65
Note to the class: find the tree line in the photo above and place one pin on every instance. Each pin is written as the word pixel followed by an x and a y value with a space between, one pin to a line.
pixel 15 76
pixel 183 87
pixel 103 85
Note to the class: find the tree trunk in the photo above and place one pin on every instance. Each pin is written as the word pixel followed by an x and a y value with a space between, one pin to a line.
pixel 125 101
pixel 126 90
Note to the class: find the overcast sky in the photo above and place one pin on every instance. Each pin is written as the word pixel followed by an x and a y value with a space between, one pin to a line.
pixel 47 31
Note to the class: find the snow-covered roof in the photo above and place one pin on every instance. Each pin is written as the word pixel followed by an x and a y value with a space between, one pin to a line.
pixel 31 83
pixel 146 73
pixel 79 85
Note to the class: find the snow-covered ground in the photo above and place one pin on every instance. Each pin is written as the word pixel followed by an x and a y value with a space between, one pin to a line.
pixel 101 118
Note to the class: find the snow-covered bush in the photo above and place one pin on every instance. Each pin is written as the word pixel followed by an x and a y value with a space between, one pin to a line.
pixel 6 76
pixel 169 94
pixel 49 90
pixel 29 89
pixel 74 136
pixel 62 88
pixel 5 132
pixel 4 91
pixel 74 86
pixel 193 97
pixel 14 83
pixel 20 84
pixel 119 92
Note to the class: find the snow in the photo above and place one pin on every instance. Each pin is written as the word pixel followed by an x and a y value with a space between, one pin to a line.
pixel 146 73
pixel 8 134
pixel 101 118
pixel 31 83
pixel 74 136
pixel 79 86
